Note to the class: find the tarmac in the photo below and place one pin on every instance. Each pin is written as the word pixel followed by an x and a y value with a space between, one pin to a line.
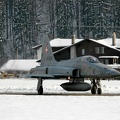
pixel 58 94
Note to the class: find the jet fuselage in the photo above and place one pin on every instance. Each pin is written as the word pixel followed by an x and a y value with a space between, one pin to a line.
pixel 85 67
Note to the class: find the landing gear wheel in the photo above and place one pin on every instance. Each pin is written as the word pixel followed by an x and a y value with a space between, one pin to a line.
pixel 40 86
pixel 93 89
pixel 40 90
pixel 99 91
pixel 96 86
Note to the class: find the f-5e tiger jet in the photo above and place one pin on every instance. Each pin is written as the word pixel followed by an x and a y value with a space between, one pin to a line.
pixel 74 70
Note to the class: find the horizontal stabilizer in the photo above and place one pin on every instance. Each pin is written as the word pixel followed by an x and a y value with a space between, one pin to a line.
pixel 39 76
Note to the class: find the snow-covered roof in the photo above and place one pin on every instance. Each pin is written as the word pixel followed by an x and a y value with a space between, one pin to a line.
pixel 58 42
pixel 24 65
pixel 105 43
pixel 109 41
pixel 102 42
pixel 62 42
pixel 108 56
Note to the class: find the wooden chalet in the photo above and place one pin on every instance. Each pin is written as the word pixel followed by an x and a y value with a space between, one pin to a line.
pixel 103 49
pixel 98 48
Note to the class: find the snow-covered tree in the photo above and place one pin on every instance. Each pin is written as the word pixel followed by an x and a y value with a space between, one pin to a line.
pixel 99 18
pixel 64 18
pixel 24 27
pixel 43 19
pixel 116 17
pixel 93 18
pixel 2 29
pixel 18 19
pixel 23 23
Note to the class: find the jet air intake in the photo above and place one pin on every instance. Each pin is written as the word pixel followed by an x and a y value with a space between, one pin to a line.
pixel 82 86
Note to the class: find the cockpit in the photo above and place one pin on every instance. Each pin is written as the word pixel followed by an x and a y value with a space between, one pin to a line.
pixel 90 59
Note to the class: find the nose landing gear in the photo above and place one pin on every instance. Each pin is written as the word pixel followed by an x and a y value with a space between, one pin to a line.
pixel 96 86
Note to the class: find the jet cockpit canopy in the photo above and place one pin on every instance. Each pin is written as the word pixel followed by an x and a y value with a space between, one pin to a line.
pixel 90 59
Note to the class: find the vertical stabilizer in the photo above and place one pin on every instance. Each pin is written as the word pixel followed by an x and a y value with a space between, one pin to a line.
pixel 47 57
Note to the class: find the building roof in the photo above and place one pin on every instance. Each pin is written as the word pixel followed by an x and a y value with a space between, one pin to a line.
pixel 102 42
pixel 22 65
pixel 58 42
pixel 109 41
pixel 105 43
pixel 62 42
pixel 108 56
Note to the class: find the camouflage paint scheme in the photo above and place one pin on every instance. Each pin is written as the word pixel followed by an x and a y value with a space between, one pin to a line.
pixel 75 70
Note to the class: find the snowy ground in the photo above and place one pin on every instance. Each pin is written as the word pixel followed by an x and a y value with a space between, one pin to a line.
pixel 56 107
pixel 51 86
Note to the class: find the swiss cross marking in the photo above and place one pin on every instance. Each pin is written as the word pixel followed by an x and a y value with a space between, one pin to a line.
pixel 46 50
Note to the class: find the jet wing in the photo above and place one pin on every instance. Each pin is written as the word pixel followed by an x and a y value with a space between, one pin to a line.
pixel 62 75
pixel 39 75
pixel 44 75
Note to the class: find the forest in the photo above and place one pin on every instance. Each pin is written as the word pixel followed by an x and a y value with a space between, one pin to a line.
pixel 24 23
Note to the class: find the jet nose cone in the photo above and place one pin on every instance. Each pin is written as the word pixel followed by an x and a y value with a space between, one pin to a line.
pixel 115 73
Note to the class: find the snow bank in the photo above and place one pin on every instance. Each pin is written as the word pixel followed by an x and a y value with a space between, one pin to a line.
pixel 24 65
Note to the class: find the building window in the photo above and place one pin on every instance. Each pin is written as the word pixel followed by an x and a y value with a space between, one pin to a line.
pixel 102 61
pixel 106 61
pixel 102 50
pixel 83 51
pixel 97 50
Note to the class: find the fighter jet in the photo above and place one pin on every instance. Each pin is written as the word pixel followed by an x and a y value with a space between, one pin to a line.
pixel 74 70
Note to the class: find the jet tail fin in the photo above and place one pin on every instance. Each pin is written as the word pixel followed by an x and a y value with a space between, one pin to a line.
pixel 47 57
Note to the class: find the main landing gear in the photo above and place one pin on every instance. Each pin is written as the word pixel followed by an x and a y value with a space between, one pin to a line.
pixel 96 87
pixel 40 86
